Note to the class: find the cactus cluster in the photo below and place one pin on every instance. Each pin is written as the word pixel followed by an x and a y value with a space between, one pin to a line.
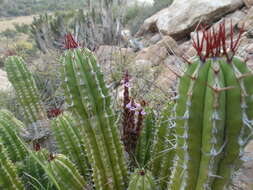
pixel 196 143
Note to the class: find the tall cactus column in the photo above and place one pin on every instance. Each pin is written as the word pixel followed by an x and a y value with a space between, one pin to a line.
pixel 25 87
pixel 88 96
pixel 213 116
pixel 29 98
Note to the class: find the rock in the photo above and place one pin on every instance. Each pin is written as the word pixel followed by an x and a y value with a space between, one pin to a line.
pixel 105 52
pixel 247 22
pixel 178 24
pixel 245 174
pixel 248 3
pixel 155 38
pixel 158 52
pixel 249 49
pixel 154 83
pixel 5 85
pixel 187 50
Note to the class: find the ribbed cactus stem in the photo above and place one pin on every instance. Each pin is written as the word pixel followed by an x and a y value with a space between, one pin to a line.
pixel 66 173
pixel 238 122
pixel 8 173
pixel 88 96
pixel 145 139
pixel 10 128
pixel 35 114
pixel 70 142
pixel 163 149
pixel 32 173
pixel 26 90
pixel 142 180
pixel 213 115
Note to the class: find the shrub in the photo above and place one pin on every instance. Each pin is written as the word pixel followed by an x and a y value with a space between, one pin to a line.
pixel 136 14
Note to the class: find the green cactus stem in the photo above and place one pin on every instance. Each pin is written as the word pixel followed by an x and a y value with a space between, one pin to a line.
pixel 141 180
pixel 70 142
pixel 26 90
pixel 88 96
pixel 35 114
pixel 31 172
pixel 66 173
pixel 10 128
pixel 213 116
pixel 145 140
pixel 8 173
pixel 163 149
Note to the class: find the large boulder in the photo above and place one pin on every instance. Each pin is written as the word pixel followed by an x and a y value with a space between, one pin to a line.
pixel 248 3
pixel 182 16
pixel 247 22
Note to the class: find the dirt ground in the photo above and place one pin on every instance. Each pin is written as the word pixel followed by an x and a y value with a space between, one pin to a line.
pixel 8 23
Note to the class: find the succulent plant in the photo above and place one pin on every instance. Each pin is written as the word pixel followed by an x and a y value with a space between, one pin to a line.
pixel 196 145
pixel 8 174
pixel 69 140
pixel 141 180
pixel 212 114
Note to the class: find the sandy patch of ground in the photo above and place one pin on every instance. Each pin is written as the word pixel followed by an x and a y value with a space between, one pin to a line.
pixel 9 23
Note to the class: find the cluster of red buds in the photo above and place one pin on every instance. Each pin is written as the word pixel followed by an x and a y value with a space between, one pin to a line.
pixel 131 126
pixel 215 43
pixel 70 42
pixel 36 146
pixel 54 112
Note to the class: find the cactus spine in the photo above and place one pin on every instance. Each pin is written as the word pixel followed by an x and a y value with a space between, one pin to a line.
pixel 141 180
pixel 211 115
pixel 88 97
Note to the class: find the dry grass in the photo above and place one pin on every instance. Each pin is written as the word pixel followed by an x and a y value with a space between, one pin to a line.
pixel 9 23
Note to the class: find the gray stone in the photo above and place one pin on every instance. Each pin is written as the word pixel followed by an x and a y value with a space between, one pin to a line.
pixel 182 16
pixel 248 3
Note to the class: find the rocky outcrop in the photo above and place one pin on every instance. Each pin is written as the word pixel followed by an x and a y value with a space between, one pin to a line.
pixel 182 16
pixel 247 22
pixel 248 3
pixel 158 52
